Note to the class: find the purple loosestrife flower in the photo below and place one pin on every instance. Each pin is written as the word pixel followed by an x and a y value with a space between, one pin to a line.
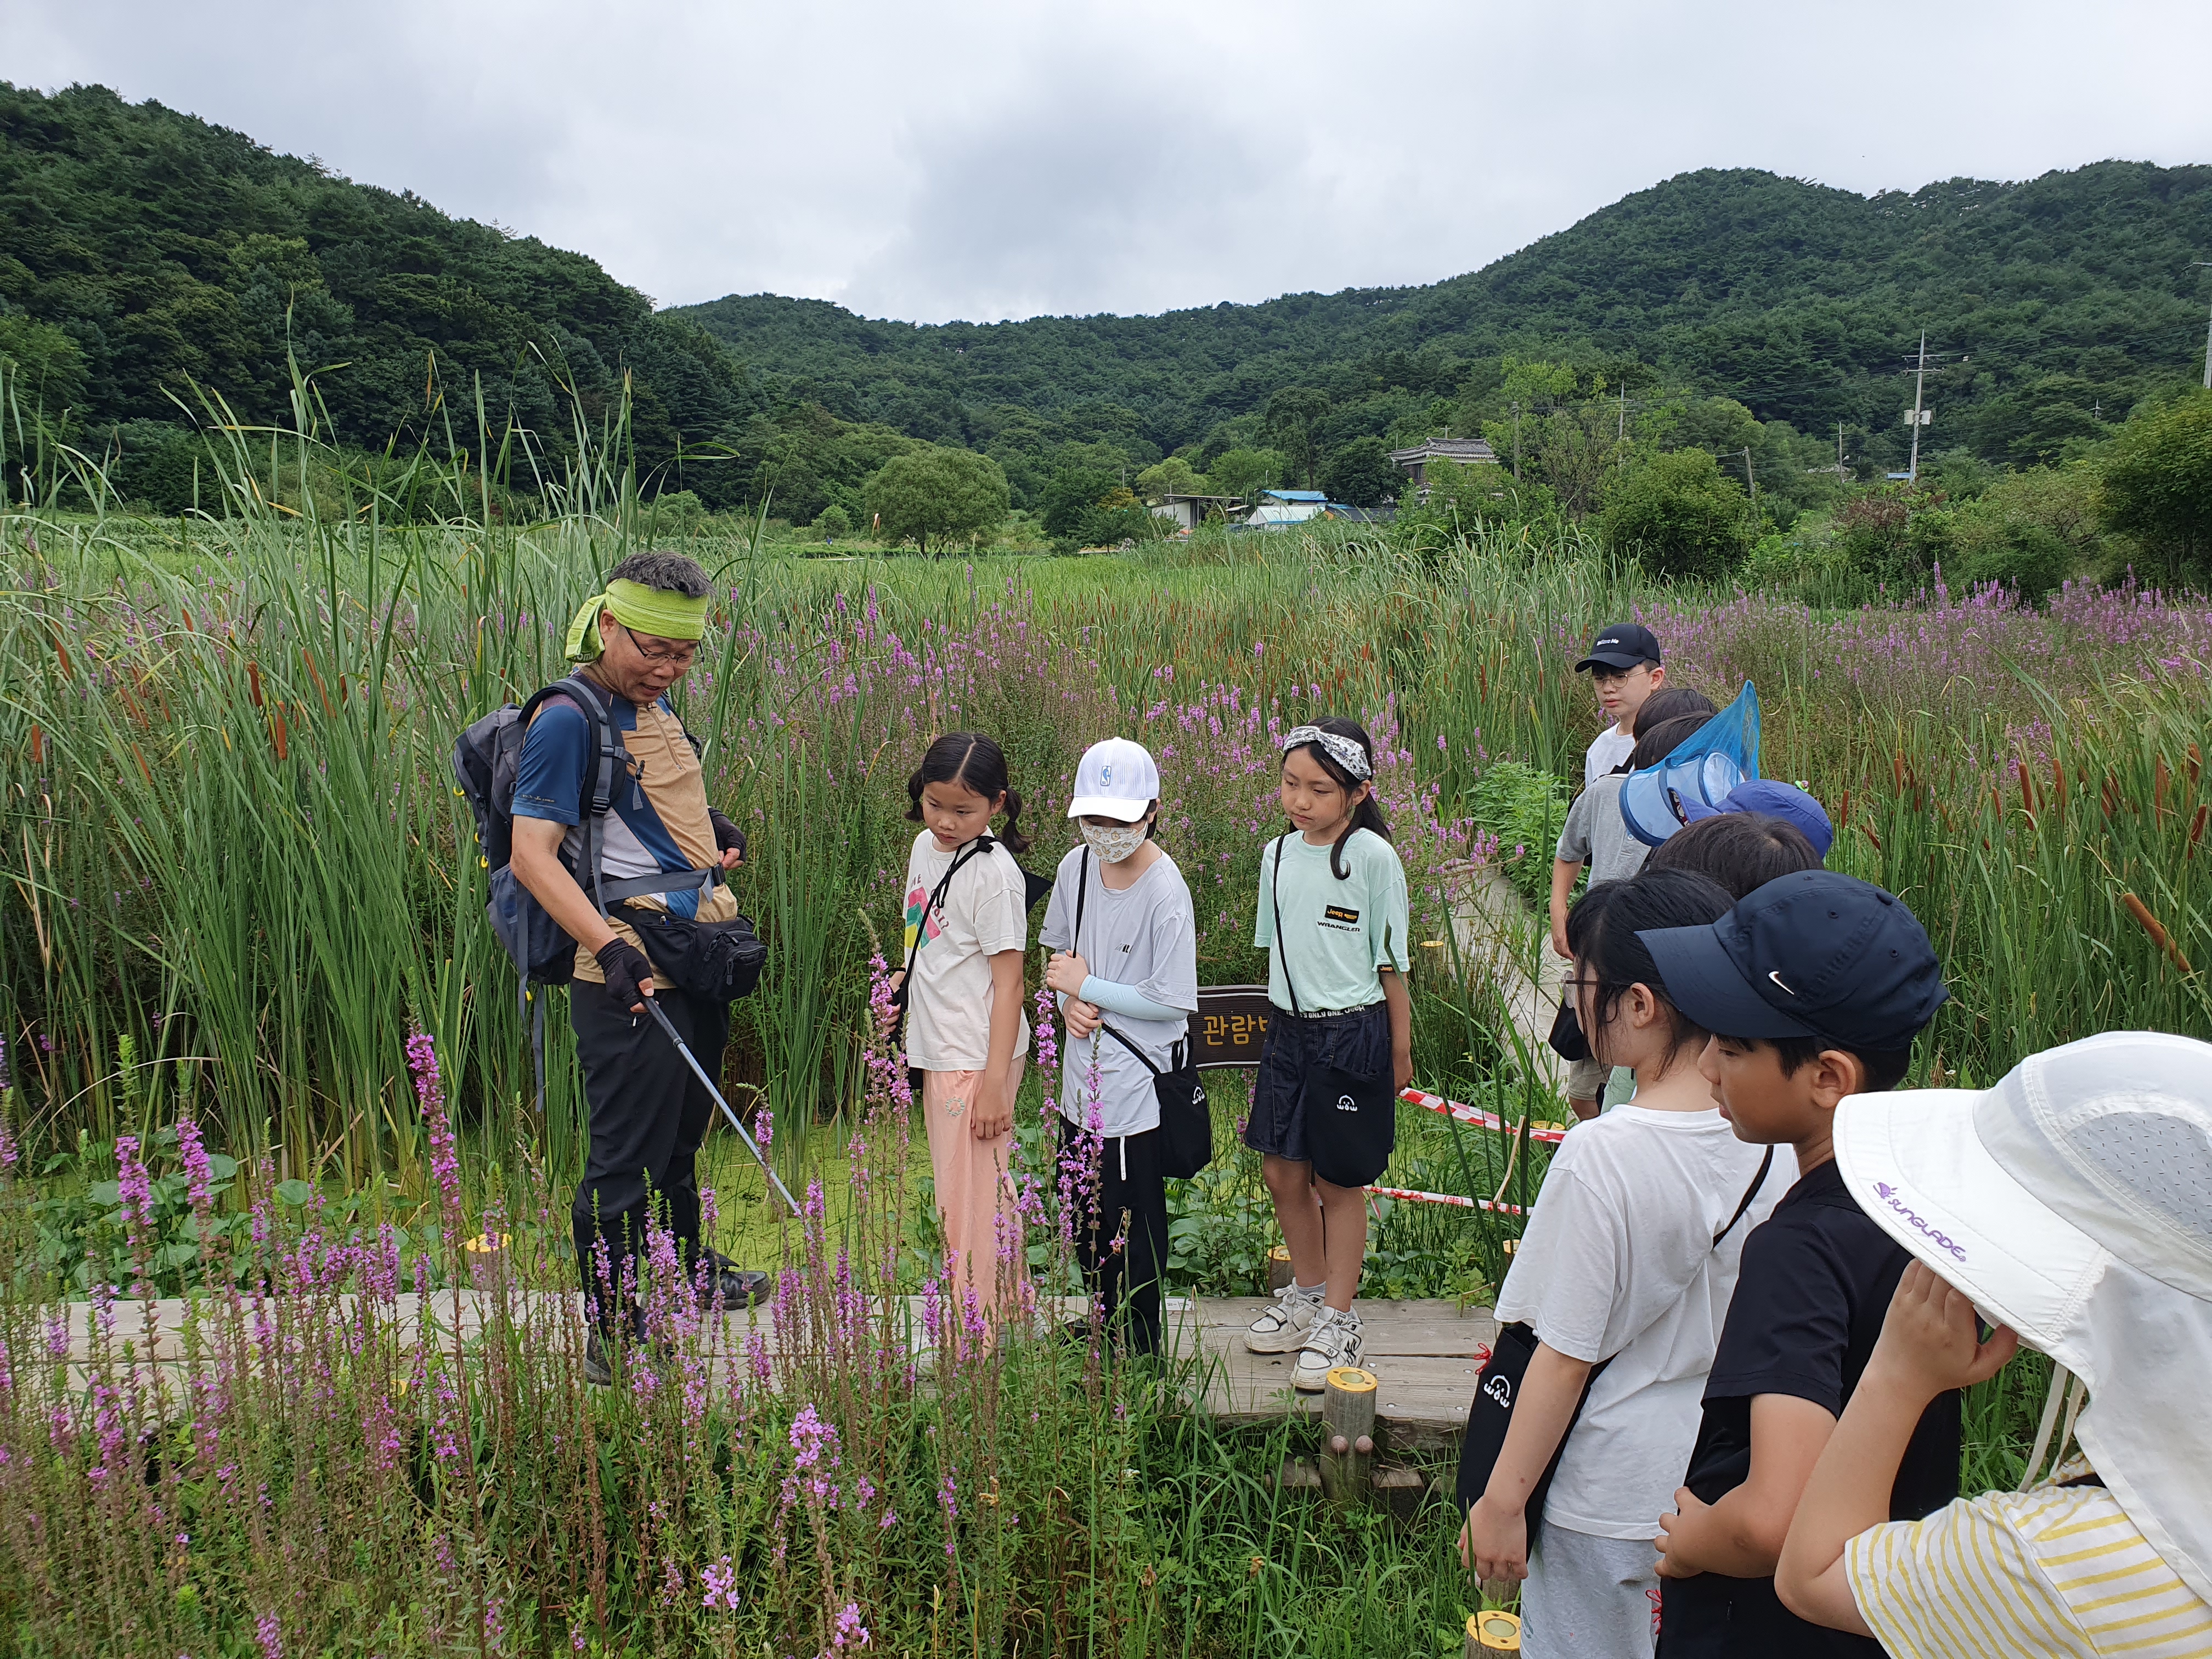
pixel 850 1632
pixel 720 1580
pixel 199 1172
pixel 430 1092
pixel 268 1630
pixel 134 1185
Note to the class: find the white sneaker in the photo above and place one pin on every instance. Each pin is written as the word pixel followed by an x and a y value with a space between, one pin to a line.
pixel 1282 1329
pixel 1333 1340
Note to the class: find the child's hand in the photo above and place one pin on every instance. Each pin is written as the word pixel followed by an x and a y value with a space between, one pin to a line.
pixel 1401 1065
pixel 991 1113
pixel 1559 942
pixel 1688 1512
pixel 1929 1344
pixel 1494 1545
pixel 897 979
pixel 1083 1018
pixel 1065 973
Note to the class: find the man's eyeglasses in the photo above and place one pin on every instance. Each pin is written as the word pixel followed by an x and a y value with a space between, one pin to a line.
pixel 682 656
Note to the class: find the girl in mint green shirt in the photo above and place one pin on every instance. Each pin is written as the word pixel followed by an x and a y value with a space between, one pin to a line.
pixel 1336 977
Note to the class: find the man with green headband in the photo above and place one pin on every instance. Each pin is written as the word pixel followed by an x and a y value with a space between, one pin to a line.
pixel 648 1113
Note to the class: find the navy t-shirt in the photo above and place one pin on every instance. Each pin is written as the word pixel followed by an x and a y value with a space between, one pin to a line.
pixel 1817 1278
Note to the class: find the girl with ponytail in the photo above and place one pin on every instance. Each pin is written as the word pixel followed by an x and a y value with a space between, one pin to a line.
pixel 967 929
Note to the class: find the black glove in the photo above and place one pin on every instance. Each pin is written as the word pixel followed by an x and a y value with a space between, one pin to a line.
pixel 726 835
pixel 625 965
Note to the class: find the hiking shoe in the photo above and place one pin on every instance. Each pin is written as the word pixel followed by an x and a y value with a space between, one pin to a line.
pixel 597 1372
pixel 730 1286
pixel 1282 1329
pixel 1333 1340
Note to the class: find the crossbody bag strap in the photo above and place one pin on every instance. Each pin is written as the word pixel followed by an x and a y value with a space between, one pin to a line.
pixel 1749 1194
pixel 936 899
pixel 1275 903
pixel 1075 944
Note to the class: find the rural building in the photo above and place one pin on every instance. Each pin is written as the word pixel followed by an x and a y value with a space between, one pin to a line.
pixel 1461 452
pixel 1188 511
pixel 1280 507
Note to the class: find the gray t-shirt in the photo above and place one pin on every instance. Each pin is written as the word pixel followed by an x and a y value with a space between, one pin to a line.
pixel 1145 937
pixel 1596 834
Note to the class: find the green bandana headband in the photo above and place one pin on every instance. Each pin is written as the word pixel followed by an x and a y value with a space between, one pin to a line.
pixel 652 611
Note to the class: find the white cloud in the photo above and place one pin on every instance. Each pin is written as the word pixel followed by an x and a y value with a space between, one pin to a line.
pixel 979 160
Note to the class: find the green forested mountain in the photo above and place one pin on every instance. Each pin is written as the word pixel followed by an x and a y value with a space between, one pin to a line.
pixel 143 252
pixel 2051 305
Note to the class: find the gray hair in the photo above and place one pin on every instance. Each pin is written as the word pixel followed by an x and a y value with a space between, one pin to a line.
pixel 670 572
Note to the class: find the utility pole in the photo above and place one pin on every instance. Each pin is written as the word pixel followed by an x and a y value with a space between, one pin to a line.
pixel 1751 478
pixel 1841 476
pixel 1621 436
pixel 2203 264
pixel 1516 440
pixel 1919 375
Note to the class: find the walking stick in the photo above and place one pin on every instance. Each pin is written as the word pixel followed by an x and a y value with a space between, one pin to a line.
pixel 707 1083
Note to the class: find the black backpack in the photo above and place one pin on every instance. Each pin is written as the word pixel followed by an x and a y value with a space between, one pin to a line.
pixel 485 760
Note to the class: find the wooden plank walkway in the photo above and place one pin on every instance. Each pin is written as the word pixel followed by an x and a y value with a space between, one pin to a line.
pixel 1425 1352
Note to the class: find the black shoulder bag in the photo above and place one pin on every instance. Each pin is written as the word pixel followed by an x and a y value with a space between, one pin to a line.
pixel 1350 1122
pixel 1186 1120
pixel 1491 1413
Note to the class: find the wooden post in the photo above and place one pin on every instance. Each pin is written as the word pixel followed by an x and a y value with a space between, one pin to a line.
pixel 1278 1269
pixel 1491 1632
pixel 1347 1415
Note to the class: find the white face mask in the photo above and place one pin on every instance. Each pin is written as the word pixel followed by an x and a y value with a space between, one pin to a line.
pixel 1114 845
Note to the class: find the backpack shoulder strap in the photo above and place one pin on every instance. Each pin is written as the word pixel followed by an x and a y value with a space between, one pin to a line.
pixel 604 759
pixel 1749 1194
pixel 936 899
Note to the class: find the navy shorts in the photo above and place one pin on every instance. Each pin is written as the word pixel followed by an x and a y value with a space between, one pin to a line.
pixel 1357 1042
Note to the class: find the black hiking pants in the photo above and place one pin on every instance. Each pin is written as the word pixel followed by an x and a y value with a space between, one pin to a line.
pixel 649 1115
pixel 1133 1207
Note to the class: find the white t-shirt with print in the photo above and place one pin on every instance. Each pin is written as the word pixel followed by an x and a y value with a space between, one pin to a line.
pixel 985 911
pixel 1608 749
pixel 1145 937
pixel 1619 1261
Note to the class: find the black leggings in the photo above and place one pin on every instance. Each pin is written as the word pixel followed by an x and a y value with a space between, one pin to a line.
pixel 1132 1192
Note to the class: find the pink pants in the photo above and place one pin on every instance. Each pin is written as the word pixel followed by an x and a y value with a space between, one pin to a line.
pixel 975 1198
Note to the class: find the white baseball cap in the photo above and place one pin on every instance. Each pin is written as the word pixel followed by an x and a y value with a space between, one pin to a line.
pixel 1115 778
pixel 2072 1201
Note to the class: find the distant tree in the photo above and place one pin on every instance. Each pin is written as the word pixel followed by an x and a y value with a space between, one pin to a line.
pixel 1172 477
pixel 1243 471
pixel 1071 494
pixel 834 521
pixel 1677 515
pixel 676 512
pixel 1360 473
pixel 939 494
pixel 1292 415
pixel 2158 481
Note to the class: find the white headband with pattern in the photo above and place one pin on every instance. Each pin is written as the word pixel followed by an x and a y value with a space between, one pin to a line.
pixel 1342 750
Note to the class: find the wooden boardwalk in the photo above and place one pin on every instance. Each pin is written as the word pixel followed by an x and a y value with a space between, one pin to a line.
pixel 1424 1353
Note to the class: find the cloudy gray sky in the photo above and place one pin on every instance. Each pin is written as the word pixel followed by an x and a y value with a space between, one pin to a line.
pixel 983 160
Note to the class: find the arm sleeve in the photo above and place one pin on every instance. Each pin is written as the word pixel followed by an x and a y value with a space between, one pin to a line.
pixel 1392 947
pixel 1125 1000
pixel 1789 1323
pixel 1563 1277
pixel 549 778
pixel 1263 926
pixel 1574 837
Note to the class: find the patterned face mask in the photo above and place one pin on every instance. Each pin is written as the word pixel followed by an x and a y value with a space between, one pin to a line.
pixel 1114 845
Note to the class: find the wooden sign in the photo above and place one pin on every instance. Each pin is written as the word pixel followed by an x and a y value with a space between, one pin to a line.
pixel 1230 1022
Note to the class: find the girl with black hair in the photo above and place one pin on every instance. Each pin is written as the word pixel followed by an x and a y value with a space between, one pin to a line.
pixel 1333 919
pixel 967 929
pixel 1624 1276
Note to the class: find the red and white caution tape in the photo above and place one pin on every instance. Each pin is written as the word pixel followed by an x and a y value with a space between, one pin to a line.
pixel 1413 1196
pixel 1550 1135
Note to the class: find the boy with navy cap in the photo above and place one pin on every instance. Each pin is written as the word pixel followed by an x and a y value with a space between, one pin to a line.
pixel 1815 985
pixel 1623 664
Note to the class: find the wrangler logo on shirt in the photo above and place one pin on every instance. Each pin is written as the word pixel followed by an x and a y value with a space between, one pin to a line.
pixel 1339 913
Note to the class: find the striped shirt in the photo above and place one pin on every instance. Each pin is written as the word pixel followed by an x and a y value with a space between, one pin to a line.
pixel 2054 1570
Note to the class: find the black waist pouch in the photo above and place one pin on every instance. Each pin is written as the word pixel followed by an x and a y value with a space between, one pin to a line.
pixel 717 961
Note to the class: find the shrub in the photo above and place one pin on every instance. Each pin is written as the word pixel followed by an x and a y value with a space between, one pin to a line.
pixel 2158 481
pixel 1525 808
pixel 1677 515
pixel 834 521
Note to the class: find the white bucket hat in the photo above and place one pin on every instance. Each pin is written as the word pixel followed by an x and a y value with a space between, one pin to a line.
pixel 1115 778
pixel 2073 1203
